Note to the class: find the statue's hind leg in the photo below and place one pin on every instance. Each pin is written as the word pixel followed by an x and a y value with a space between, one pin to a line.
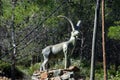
pixel 42 68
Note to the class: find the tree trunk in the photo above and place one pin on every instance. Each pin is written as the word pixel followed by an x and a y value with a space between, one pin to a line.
pixel 13 43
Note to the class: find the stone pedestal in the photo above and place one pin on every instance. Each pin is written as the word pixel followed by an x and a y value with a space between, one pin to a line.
pixel 58 74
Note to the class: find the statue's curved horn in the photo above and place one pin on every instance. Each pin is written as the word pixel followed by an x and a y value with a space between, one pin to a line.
pixel 71 23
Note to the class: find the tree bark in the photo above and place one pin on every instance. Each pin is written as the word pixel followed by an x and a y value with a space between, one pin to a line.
pixel 103 42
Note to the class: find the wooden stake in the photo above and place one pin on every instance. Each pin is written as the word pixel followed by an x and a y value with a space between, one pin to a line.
pixel 103 42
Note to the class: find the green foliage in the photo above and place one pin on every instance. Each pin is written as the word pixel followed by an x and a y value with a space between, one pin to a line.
pixel 3 65
pixel 114 32
pixel 34 68
pixel 52 22
pixel 7 9
pixel 99 74
pixel 111 75
pixel 117 22
pixel 6 69
pixel 29 70
pixel 22 12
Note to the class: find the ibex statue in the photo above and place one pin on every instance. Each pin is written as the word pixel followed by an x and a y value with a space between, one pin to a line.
pixel 54 51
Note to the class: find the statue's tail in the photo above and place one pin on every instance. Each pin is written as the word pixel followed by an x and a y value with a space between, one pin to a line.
pixel 71 23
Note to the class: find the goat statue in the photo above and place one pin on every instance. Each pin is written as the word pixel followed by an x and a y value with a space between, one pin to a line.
pixel 54 51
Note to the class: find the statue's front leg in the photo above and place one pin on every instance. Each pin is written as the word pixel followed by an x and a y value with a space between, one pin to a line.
pixel 65 60
pixel 65 54
pixel 41 68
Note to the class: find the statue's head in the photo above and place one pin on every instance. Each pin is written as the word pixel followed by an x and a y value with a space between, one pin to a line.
pixel 74 36
pixel 75 33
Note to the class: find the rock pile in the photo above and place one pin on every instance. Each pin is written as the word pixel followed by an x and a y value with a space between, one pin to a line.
pixel 4 78
pixel 58 74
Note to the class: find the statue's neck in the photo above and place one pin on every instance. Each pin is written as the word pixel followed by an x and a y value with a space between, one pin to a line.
pixel 72 40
